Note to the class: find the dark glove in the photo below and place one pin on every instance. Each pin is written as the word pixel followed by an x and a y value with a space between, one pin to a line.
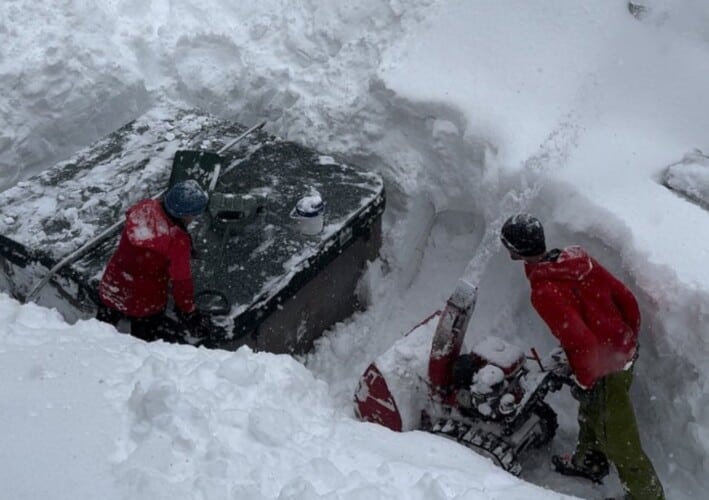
pixel 558 364
pixel 197 322
pixel 579 393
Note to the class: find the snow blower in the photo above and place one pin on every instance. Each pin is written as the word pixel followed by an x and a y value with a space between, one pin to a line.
pixel 490 400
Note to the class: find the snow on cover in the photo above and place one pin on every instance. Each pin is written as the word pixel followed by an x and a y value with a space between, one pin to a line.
pixel 471 110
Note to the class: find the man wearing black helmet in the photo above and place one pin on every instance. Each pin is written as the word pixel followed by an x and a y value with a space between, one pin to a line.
pixel 154 253
pixel 596 320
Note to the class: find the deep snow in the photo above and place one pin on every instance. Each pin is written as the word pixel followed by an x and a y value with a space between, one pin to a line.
pixel 471 110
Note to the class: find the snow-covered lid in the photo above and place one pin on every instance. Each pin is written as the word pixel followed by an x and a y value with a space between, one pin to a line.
pixel 66 206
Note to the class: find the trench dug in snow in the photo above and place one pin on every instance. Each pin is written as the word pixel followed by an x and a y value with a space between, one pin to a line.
pixel 443 210
pixel 445 201
pixel 312 71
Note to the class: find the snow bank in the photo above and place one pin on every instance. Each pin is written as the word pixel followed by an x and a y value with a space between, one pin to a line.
pixel 471 110
pixel 630 93
pixel 77 70
pixel 88 412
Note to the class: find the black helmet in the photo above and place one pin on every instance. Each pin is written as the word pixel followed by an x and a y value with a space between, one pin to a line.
pixel 523 234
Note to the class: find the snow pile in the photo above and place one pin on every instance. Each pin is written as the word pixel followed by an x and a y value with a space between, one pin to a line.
pixel 77 70
pixel 471 110
pixel 601 104
pixel 690 177
pixel 404 368
pixel 89 412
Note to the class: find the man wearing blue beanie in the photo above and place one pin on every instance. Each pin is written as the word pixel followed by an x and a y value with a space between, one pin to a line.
pixel 154 252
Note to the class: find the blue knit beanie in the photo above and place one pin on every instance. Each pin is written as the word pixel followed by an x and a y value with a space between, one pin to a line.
pixel 185 199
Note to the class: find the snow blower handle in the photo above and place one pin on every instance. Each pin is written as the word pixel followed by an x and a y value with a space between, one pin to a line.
pixel 557 366
pixel 535 357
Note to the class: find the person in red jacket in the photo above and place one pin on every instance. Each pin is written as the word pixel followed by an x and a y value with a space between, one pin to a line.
pixel 596 320
pixel 154 253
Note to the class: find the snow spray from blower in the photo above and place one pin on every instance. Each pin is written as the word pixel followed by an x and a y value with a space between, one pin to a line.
pixel 453 323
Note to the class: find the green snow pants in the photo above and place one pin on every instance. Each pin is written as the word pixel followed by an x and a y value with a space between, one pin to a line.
pixel 607 424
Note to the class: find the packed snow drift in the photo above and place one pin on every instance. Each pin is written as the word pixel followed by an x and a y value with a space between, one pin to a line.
pixel 471 111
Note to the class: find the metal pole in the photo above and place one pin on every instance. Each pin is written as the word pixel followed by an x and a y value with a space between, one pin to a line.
pixel 252 129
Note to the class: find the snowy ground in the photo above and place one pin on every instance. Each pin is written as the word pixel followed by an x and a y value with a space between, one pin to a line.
pixel 471 110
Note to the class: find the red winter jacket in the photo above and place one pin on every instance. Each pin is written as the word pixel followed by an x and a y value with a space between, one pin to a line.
pixel 153 251
pixel 594 316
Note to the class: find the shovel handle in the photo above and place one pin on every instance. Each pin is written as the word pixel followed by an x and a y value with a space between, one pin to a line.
pixel 252 129
pixel 75 255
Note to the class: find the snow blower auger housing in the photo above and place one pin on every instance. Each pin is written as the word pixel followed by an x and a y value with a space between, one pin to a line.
pixel 273 278
pixel 490 400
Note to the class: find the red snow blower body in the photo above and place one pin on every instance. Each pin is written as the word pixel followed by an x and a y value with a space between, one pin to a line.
pixel 490 400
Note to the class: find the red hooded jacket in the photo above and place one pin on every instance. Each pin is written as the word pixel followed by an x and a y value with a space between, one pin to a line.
pixel 594 316
pixel 153 251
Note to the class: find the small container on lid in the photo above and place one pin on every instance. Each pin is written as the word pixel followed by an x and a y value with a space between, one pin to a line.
pixel 308 214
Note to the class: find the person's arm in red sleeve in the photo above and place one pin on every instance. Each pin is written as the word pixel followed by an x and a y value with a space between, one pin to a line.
pixel 579 343
pixel 627 304
pixel 181 273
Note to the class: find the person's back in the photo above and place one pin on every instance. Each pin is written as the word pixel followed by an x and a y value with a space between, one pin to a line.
pixel 597 320
pixel 153 256
pixel 594 316
pixel 153 250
